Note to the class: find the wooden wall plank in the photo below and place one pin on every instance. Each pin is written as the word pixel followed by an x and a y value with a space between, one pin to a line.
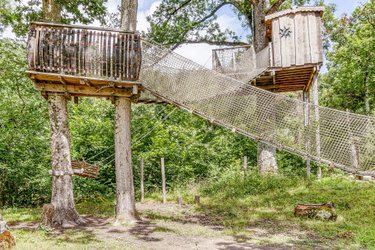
pixel 306 38
pixel 319 34
pixel 299 38
pixel 276 42
pixel 285 41
pixel 313 38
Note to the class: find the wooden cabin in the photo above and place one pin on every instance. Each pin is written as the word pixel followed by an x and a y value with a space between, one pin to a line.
pixel 84 61
pixel 290 61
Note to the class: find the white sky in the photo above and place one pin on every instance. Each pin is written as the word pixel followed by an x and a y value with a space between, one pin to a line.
pixel 201 53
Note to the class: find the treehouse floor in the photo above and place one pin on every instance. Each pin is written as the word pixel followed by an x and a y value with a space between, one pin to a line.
pixel 84 86
pixel 297 78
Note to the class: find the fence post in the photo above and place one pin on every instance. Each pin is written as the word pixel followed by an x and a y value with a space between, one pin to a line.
pixel 244 165
pixel 163 181
pixel 142 181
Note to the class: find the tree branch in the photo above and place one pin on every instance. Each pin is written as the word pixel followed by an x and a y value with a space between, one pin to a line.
pixel 275 7
pixel 177 9
pixel 219 43
pixel 211 14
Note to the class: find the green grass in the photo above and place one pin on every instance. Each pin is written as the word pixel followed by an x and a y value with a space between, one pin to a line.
pixel 71 239
pixel 239 202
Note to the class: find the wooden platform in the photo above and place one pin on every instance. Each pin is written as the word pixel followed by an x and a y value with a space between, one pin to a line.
pixel 84 61
pixel 84 86
pixel 297 78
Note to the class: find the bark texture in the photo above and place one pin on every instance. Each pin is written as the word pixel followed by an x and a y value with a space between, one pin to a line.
pixel 129 15
pixel 125 201
pixel 260 39
pixel 64 213
pixel 266 158
pixel 51 10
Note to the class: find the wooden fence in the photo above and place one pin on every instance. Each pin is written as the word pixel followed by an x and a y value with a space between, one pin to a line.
pixel 84 51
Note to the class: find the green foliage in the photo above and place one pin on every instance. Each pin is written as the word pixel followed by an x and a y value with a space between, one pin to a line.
pixel 24 129
pixel 21 13
pixel 350 61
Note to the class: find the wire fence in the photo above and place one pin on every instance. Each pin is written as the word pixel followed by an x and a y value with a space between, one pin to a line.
pixel 338 138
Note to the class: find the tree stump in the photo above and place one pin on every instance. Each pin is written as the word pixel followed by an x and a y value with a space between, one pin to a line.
pixel 324 211
pixel 6 239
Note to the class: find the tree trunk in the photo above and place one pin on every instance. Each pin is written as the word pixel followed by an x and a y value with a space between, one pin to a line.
pixel 260 31
pixel 129 15
pixel 266 153
pixel 51 10
pixel 266 158
pixel 62 187
pixel 125 201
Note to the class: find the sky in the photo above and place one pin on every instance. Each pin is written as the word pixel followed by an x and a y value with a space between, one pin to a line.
pixel 201 53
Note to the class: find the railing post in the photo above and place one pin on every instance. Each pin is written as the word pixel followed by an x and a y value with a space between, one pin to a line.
pixel 271 54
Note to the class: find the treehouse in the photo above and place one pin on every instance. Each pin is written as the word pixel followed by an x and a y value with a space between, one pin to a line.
pixel 290 61
pixel 84 61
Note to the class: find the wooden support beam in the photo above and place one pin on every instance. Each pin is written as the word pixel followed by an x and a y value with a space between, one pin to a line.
pixel 81 90
pixel 313 72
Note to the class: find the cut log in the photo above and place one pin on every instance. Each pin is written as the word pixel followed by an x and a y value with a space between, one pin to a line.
pixel 324 211
pixel 7 240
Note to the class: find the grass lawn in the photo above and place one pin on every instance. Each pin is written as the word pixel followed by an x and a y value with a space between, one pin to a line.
pixel 238 204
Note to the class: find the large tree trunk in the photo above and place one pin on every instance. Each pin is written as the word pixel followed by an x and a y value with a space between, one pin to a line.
pixel 64 212
pixel 266 153
pixel 125 200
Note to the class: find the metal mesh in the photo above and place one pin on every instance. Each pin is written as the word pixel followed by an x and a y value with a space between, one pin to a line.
pixel 342 139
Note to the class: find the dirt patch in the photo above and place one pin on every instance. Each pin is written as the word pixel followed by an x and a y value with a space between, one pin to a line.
pixel 170 226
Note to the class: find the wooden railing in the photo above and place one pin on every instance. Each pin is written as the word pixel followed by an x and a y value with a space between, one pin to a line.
pixel 84 51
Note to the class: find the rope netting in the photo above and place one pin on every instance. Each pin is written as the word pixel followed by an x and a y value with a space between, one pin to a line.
pixel 338 138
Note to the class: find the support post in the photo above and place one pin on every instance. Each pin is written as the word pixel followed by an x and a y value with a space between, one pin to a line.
pixel 315 101
pixel 353 150
pixel 306 115
pixel 163 181
pixel 142 181
pixel 64 213
pixel 125 201
pixel 244 168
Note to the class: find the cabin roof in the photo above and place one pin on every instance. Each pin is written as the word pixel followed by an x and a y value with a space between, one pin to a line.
pixel 295 10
